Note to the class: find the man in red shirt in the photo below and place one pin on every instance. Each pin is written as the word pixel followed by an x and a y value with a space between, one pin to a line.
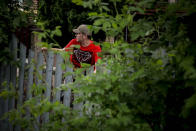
pixel 87 53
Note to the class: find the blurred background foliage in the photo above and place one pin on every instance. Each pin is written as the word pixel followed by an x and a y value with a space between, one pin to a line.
pixel 13 15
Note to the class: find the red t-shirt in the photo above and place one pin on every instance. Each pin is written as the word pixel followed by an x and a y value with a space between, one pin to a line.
pixel 86 54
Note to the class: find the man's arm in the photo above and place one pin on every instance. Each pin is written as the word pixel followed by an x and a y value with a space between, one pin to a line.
pixel 68 47
pixel 54 49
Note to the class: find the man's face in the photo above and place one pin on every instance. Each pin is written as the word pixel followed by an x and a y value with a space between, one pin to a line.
pixel 79 37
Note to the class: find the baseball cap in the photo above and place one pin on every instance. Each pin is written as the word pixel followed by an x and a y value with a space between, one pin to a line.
pixel 82 29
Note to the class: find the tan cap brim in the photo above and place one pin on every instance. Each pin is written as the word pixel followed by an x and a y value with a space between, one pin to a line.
pixel 76 31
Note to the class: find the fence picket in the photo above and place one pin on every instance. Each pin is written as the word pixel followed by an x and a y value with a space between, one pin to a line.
pixel 40 60
pixel 21 72
pixel 49 69
pixel 1 99
pixel 14 47
pixel 67 94
pixel 7 87
pixel 1 73
pixel 13 69
pixel 88 106
pixel 78 106
pixel 4 101
pixel 30 74
pixel 7 76
pixel 90 70
pixel 21 78
pixel 30 79
pixel 58 76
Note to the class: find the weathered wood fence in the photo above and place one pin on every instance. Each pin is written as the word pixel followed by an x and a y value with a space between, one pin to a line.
pixel 22 77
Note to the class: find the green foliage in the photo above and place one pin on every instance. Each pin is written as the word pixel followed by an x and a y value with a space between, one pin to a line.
pixel 47 33
pixel 141 29
pixel 61 13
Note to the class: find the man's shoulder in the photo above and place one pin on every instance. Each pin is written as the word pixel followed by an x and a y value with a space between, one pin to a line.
pixel 74 41
pixel 95 48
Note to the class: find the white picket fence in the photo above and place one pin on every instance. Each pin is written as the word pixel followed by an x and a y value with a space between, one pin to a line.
pixel 23 77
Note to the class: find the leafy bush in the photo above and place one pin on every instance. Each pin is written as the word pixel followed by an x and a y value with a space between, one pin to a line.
pixel 13 16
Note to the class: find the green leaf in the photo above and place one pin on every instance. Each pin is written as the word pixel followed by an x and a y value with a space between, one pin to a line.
pixel 43 44
pixel 98 22
pixel 78 2
pixel 106 25
pixel 85 65
pixel 105 8
pixel 114 97
pixel 159 62
pixel 92 14
pixel 133 9
pixel 137 74
pixel 190 104
pixel 114 25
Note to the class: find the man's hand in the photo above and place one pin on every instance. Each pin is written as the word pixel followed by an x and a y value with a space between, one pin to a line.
pixel 44 49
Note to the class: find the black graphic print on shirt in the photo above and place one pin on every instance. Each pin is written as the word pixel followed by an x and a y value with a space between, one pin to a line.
pixel 80 56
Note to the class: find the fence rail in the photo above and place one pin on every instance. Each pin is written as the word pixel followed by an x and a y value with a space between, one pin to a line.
pixel 28 72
